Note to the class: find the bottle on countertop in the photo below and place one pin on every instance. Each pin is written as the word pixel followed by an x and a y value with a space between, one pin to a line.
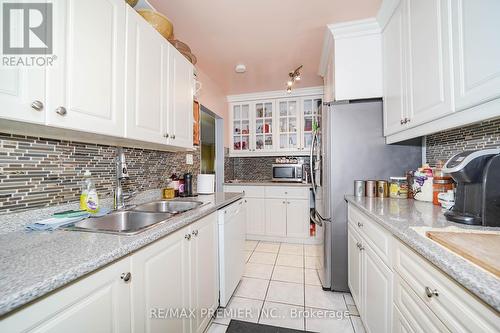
pixel 89 199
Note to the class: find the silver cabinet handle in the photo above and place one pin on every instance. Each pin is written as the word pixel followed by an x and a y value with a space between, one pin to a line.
pixel 61 111
pixel 402 121
pixel 37 105
pixel 126 277
pixel 241 202
pixel 166 135
pixel 284 202
pixel 430 293
pixel 246 201
pixel 360 246
pixel 288 202
pixel 195 233
pixel 286 192
pixel 360 225
pixel 188 236
pixel 173 136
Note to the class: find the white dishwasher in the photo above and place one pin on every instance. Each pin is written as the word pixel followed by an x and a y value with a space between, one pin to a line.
pixel 232 229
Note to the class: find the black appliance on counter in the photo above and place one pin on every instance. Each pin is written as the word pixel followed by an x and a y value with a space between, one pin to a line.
pixel 477 199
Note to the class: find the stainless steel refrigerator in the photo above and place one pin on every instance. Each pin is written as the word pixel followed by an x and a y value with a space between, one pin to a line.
pixel 349 145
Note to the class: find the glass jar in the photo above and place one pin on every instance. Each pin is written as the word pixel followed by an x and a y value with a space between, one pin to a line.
pixel 399 188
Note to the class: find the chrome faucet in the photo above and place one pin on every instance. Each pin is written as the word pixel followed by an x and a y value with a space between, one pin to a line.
pixel 119 198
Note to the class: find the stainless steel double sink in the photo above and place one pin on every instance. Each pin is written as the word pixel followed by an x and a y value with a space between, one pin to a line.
pixel 138 219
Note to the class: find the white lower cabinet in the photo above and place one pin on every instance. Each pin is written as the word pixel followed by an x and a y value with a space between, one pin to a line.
pixel 276 213
pixel 166 280
pixel 406 293
pixel 99 302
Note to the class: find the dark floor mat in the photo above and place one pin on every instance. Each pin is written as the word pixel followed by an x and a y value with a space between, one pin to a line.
pixel 236 326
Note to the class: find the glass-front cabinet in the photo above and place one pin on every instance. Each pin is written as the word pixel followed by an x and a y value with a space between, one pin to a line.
pixel 274 127
pixel 241 127
pixel 264 126
pixel 311 119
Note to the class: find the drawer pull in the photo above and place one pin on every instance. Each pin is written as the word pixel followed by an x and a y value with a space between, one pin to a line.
pixel 126 277
pixel 188 236
pixel 360 224
pixel 195 233
pixel 360 246
pixel 430 293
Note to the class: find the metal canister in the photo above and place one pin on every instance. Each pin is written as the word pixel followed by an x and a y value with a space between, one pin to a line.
pixel 371 188
pixel 382 189
pixel 359 188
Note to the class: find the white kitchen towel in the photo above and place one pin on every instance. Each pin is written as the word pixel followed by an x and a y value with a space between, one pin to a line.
pixel 54 222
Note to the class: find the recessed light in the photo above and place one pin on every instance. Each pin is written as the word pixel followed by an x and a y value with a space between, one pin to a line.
pixel 240 68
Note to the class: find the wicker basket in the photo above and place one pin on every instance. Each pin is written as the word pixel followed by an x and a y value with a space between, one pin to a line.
pixel 158 21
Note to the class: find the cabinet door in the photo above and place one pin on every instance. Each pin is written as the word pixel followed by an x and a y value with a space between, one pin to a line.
pixel 429 61
pixel 311 118
pixel 100 302
pixel 276 217
pixel 393 45
pixel 288 125
pixel 256 216
pixel 204 271
pixel 180 125
pixel 240 124
pixel 376 292
pixel 147 80
pixel 476 51
pixel 354 266
pixel 264 115
pixel 87 79
pixel 297 218
pixel 161 283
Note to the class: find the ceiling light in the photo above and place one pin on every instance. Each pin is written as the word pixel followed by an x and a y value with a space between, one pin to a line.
pixel 240 68
pixel 294 76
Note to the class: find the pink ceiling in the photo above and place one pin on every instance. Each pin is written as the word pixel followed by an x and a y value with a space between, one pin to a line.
pixel 271 37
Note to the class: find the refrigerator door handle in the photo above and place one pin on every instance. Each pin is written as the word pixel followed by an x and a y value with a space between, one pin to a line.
pixel 311 164
pixel 324 219
pixel 314 219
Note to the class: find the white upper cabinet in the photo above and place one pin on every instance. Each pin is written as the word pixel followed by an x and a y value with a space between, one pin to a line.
pixel 86 84
pixel 147 81
pixel 240 127
pixel 439 57
pixel 429 65
pixel 476 51
pixel 264 120
pixel 180 121
pixel 394 72
pixel 288 124
pixel 311 117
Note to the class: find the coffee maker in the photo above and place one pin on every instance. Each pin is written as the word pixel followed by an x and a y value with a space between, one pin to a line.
pixel 477 199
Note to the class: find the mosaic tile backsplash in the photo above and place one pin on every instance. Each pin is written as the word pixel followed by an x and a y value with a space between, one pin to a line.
pixel 38 172
pixel 258 169
pixel 441 146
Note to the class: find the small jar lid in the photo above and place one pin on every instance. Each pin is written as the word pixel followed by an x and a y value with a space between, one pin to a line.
pixel 398 178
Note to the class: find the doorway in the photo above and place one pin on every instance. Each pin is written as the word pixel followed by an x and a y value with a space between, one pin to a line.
pixel 212 145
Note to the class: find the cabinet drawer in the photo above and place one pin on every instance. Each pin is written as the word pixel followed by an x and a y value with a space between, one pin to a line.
pixel 378 238
pixel 453 305
pixel 250 191
pixel 287 192
pixel 417 317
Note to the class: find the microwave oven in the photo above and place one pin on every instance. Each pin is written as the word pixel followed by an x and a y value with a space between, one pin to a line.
pixel 287 172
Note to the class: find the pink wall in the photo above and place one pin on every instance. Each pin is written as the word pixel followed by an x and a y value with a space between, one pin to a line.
pixel 212 97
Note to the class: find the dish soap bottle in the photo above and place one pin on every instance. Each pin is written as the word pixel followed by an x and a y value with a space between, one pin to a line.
pixel 89 200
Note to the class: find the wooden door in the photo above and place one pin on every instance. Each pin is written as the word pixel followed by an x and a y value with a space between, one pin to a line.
pixel 86 84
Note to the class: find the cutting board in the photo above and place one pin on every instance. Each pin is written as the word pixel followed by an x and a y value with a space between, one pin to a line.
pixel 483 249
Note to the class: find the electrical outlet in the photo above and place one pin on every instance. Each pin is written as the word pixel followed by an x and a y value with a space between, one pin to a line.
pixel 189 158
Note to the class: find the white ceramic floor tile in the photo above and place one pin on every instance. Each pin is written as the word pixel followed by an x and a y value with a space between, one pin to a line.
pixel 250 245
pixel 316 297
pixel 312 250
pixel 247 255
pixel 252 288
pixel 295 249
pixel 328 321
pixel 282 315
pixel 286 292
pixel 311 277
pixel 243 309
pixel 216 328
pixel 263 258
pixel 348 299
pixel 310 262
pixel 358 325
pixel 290 260
pixel 259 271
pixel 288 274
pixel 353 310
pixel 268 247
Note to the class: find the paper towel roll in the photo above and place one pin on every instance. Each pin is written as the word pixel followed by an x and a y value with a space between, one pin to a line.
pixel 206 184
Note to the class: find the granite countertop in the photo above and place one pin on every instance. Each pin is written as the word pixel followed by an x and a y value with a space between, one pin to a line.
pixel 401 216
pixel 33 264
pixel 266 183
